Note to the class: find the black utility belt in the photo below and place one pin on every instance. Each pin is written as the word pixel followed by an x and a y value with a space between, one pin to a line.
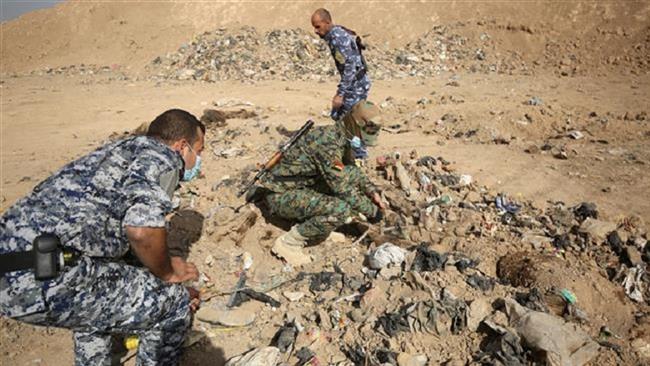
pixel 47 259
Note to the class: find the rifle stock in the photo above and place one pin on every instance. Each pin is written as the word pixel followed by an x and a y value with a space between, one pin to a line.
pixel 277 156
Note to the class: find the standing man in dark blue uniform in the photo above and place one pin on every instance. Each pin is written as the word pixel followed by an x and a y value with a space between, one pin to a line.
pixel 346 49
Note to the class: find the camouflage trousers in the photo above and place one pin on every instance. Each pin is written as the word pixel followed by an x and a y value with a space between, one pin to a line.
pixel 95 299
pixel 318 213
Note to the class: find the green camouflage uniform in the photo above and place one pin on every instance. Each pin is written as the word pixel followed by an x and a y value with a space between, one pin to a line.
pixel 314 184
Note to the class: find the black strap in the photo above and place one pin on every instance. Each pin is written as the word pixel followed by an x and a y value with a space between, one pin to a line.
pixel 16 261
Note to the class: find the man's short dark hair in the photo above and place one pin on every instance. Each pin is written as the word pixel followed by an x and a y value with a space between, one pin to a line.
pixel 323 14
pixel 175 124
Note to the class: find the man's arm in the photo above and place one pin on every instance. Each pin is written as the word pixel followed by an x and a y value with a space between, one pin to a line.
pixel 150 246
pixel 349 56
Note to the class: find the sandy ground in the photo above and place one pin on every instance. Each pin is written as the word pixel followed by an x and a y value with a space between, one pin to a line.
pixel 480 122
pixel 48 121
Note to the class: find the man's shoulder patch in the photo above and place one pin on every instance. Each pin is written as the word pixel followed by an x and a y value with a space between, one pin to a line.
pixel 337 165
pixel 339 57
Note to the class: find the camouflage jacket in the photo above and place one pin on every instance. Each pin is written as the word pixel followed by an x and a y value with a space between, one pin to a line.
pixel 317 161
pixel 88 204
pixel 348 60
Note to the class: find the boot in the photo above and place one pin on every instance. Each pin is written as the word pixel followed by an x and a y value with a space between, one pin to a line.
pixel 288 246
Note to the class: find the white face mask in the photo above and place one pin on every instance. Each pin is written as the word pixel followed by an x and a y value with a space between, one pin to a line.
pixel 190 174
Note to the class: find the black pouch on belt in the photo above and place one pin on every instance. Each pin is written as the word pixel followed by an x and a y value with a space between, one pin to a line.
pixel 45 259
pixel 47 256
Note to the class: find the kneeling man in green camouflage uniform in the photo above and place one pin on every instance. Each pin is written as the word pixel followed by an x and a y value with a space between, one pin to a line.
pixel 318 184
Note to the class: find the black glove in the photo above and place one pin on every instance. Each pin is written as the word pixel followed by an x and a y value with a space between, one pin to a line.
pixel 377 218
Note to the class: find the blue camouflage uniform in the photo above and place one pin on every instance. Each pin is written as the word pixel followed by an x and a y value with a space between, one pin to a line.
pixel 88 204
pixel 355 83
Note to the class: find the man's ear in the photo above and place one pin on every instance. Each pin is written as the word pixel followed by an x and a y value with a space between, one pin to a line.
pixel 178 145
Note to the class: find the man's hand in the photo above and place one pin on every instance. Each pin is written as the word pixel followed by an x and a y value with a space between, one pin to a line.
pixel 182 271
pixel 195 299
pixel 376 199
pixel 337 102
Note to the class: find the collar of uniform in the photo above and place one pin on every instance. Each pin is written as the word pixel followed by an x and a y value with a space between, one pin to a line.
pixel 175 156
pixel 330 34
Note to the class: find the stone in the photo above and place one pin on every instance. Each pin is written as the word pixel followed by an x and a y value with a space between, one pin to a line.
pixel 597 229
pixel 478 310
pixel 474 197
pixel 209 260
pixel 228 317
pixel 293 296
pixel 407 359
pixel 390 272
pixel 325 321
pixel 336 237
pixel 633 256
pixel 534 240
pixel 642 349
pixel 263 356
pixel 370 298
pixel 357 315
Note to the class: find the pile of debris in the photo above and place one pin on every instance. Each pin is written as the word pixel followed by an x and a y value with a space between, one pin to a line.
pixel 455 274
pixel 296 54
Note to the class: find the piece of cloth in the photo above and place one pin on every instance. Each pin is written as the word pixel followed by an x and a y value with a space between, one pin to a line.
pixel 316 186
pixel 88 204
pixel 355 83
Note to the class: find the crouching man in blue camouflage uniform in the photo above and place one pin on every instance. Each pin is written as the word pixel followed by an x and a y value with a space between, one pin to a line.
pixel 98 207
pixel 318 184
pixel 346 48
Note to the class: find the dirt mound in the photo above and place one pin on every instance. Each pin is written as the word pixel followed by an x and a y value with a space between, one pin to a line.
pixel 107 33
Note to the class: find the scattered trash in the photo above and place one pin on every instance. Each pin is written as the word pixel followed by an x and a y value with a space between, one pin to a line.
pixel 243 295
pixel 503 204
pixel 465 180
pixel 534 101
pixel 568 296
pixel 482 283
pixel 576 135
pixel 597 229
pixel 560 343
pixel 427 260
pixel 306 356
pixel 634 285
pixel 503 348
pixel 285 337
pixel 533 300
pixel 385 255
pixel 585 210
pixel 323 281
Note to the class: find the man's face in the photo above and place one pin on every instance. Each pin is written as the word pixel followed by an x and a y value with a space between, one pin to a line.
pixel 191 151
pixel 321 27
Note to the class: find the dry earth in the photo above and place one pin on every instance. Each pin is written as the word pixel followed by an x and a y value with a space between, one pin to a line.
pixel 480 122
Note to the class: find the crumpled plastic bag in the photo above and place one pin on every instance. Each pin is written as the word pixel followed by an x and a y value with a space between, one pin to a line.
pixel 385 255
pixel 263 356
pixel 564 344
pixel 633 283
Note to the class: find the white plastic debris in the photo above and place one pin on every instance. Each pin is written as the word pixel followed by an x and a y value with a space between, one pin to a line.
pixel 633 283
pixel 576 135
pixel 465 180
pixel 385 255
